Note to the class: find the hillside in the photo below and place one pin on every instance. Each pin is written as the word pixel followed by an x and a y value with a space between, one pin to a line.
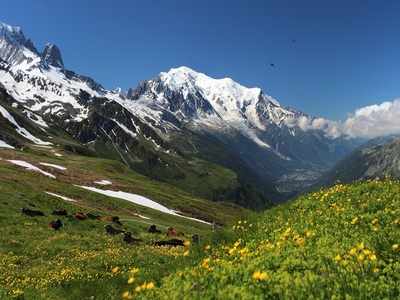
pixel 379 158
pixel 341 242
pixel 338 243
pixel 78 257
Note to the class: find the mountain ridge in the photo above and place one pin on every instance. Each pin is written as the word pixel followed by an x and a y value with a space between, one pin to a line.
pixel 172 119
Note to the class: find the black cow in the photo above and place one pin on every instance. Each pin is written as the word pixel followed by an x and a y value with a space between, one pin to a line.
pixel 129 239
pixel 57 224
pixel 172 242
pixel 113 231
pixel 32 213
pixel 153 229
pixel 61 212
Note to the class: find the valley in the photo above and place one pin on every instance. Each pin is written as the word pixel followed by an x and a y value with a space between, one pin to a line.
pixel 184 187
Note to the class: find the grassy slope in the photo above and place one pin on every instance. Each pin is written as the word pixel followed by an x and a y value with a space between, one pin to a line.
pixel 339 243
pixel 76 261
pixel 336 243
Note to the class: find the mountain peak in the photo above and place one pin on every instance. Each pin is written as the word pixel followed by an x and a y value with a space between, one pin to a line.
pixel 14 47
pixel 52 56
pixel 15 35
pixel 9 30
pixel 185 77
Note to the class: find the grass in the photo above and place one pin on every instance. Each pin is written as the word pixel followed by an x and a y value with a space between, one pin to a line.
pixel 337 243
pixel 77 262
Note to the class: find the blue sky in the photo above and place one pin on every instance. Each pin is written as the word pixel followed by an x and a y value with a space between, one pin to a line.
pixel 346 54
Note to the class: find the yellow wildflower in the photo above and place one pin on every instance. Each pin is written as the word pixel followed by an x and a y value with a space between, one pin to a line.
pixel 372 257
pixel 115 270
pixel 131 280
pixel 150 285
pixel 354 221
pixel 126 295
pixel 260 276
pixel 134 270
pixel 308 233
pixel 395 247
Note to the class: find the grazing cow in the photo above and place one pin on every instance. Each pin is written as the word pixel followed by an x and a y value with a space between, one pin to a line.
pixel 80 216
pixel 172 242
pixel 116 220
pixel 57 224
pixel 172 232
pixel 129 239
pixel 113 231
pixel 61 212
pixel 92 216
pixel 32 213
pixel 153 229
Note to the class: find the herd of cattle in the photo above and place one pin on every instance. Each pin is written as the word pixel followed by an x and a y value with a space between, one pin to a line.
pixel 171 232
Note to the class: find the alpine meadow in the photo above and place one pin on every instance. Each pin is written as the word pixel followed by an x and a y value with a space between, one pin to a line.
pixel 190 180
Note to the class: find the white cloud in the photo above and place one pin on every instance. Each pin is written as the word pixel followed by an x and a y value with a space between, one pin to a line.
pixel 331 128
pixel 366 122
pixel 374 120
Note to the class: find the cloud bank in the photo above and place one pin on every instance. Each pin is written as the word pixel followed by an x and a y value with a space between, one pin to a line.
pixel 366 122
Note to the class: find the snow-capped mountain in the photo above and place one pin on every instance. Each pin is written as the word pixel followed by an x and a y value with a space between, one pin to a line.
pixel 225 106
pixel 169 120
pixel 216 103
pixel 39 80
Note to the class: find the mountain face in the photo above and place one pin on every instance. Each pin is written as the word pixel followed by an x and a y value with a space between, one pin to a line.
pixel 379 158
pixel 51 56
pixel 248 121
pixel 182 126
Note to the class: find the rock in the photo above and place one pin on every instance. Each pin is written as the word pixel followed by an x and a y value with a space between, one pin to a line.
pixel 51 56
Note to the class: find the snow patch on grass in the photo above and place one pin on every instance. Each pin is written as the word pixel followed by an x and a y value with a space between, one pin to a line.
pixel 103 182
pixel 5 145
pixel 61 197
pixel 53 166
pixel 30 167
pixel 140 200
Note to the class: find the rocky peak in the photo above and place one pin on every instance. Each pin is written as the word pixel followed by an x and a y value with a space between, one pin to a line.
pixel 14 46
pixel 51 56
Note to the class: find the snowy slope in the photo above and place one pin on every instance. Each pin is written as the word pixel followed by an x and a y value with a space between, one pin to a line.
pixel 38 80
pixel 216 104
